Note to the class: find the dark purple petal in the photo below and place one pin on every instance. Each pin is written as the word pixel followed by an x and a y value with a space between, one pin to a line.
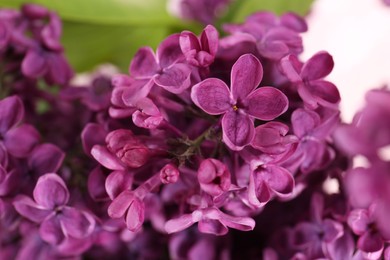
pixel 51 231
pixel 76 223
pixel 144 65
pixel 306 234
pixel 238 130
pixel 180 223
pixel 278 179
pixel 3 173
pixel 135 215
pixel 258 192
pixel 12 182
pixel 3 156
pixel 317 208
pixel 342 248
pixel 92 134
pixel 34 11
pixel 273 50
pixel 212 95
pixel 266 103
pixel 318 66
pixel 51 191
pixel 324 92
pixel 169 52
pixel 174 79
pixel 95 184
pixel 130 95
pixel 246 75
pixel 51 33
pixel 117 182
pixel 105 158
pixel 45 158
pixel 371 242
pixel 34 64
pixel 26 207
pixel 74 247
pixel 332 230
pixel 21 140
pixel 120 204
pixel 11 113
pixel 60 71
pixel 190 46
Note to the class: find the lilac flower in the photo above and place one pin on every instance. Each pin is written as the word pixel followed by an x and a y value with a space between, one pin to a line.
pixel 57 221
pixel 148 115
pixel 242 103
pixel 211 220
pixel 200 51
pixel 164 69
pixel 309 79
pixel 213 177
pixel 17 139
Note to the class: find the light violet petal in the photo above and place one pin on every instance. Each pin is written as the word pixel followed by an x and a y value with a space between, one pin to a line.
pixel 91 135
pixel 51 232
pixel 212 95
pixel 238 130
pixel 291 68
pixel 76 223
pixel 45 158
pixel 169 52
pixel 318 66
pixel 179 224
pixel 144 64
pixel 135 215
pixel 50 191
pixel 342 248
pixel 274 50
pixel 120 204
pixel 304 121
pixel 358 220
pixel 12 182
pixel 332 230
pixel 26 207
pixel 105 158
pixel 11 113
pixel 132 94
pixel 117 182
pixel 293 22
pixel 34 64
pixel 211 226
pixel 174 79
pixel 20 141
pixel 266 103
pixel 246 75
pixel 278 179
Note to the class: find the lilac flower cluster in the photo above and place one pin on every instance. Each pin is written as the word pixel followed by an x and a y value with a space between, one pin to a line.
pixel 211 147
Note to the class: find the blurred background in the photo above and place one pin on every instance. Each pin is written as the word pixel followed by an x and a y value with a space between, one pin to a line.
pixel 356 33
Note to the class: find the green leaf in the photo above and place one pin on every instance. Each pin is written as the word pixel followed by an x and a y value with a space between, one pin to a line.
pixel 88 45
pixel 124 12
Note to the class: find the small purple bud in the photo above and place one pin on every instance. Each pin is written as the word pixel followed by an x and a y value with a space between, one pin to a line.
pixel 127 148
pixel 214 177
pixel 169 174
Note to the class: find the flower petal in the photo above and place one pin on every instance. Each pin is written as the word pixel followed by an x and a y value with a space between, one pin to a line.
pixel 143 65
pixel 34 64
pixel 212 95
pixel 11 113
pixel 293 22
pixel 246 75
pixel 358 220
pixel 304 121
pixel 325 93
pixel 371 242
pixel 26 207
pixel 20 141
pixel 117 182
pixel 120 204
pixel 51 232
pixel 174 79
pixel 169 52
pixel 238 130
pixel 51 191
pixel 291 67
pixel 209 40
pixel 179 224
pixel 258 191
pixel 105 158
pixel 212 226
pixel 266 103
pixel 45 158
pixel 92 134
pixel 278 179
pixel 240 223
pixel 76 223
pixel 95 184
pixel 135 215
pixel 318 66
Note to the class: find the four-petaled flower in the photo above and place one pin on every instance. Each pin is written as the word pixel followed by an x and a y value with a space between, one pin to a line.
pixel 242 103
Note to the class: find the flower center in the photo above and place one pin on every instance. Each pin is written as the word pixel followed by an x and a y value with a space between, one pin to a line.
pixel 235 108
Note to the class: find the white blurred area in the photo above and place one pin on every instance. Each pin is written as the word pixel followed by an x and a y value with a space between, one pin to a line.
pixel 357 34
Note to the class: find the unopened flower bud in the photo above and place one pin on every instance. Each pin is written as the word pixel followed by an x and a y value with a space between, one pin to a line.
pixel 169 174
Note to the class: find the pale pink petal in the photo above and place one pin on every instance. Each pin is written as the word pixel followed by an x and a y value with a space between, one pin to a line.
pixel 246 75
